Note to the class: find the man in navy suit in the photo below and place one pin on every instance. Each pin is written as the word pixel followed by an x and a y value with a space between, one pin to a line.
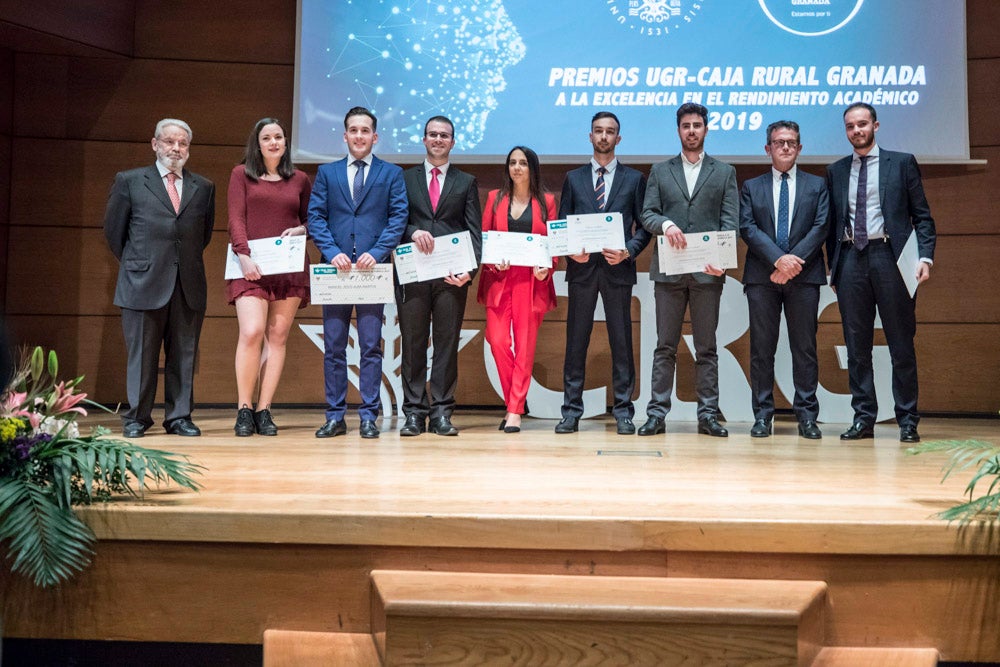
pixel 783 219
pixel 603 185
pixel 357 215
pixel 876 202
pixel 157 223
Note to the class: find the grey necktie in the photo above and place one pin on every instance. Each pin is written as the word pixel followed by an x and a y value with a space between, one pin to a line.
pixel 359 181
pixel 861 207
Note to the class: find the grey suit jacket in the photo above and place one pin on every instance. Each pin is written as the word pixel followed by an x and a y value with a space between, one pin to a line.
pixel 155 246
pixel 713 206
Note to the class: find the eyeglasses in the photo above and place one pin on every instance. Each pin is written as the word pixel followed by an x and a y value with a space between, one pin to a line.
pixel 438 135
pixel 182 143
pixel 784 143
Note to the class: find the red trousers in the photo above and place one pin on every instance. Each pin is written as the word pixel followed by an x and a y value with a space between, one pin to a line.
pixel 515 358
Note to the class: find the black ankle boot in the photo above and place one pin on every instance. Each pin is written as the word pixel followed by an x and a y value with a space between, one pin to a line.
pixel 265 425
pixel 244 422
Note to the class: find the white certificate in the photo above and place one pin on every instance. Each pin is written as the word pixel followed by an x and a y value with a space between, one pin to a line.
pixel 273 255
pixel 329 285
pixel 518 249
pixel 558 240
pixel 452 254
pixel 594 232
pixel 908 263
pixel 715 248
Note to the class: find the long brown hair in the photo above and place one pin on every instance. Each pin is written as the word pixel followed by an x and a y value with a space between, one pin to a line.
pixel 253 160
pixel 536 189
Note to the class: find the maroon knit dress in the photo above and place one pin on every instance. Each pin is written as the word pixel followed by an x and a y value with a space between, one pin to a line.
pixel 261 209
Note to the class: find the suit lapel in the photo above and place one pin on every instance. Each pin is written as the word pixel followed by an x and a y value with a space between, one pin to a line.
pixel 373 174
pixel 768 187
pixel 707 167
pixel 340 176
pixel 449 185
pixel 189 190
pixel 884 167
pixel 616 187
pixel 677 169
pixel 154 183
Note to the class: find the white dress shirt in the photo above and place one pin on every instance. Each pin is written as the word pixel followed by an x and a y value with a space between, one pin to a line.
pixel 178 183
pixel 352 170
pixel 776 181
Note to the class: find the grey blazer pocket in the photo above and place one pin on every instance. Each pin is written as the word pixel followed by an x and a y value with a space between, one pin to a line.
pixel 137 265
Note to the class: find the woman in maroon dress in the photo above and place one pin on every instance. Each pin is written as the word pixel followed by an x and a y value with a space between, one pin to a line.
pixel 268 197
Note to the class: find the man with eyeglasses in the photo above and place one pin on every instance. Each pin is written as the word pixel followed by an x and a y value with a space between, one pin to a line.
pixel 783 219
pixel 442 200
pixel 158 222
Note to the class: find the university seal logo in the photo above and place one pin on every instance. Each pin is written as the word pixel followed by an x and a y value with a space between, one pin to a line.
pixel 655 18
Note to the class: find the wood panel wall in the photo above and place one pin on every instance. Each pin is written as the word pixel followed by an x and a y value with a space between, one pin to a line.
pixel 77 119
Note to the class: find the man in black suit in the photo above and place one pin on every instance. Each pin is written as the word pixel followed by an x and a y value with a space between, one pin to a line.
pixel 691 192
pixel 604 185
pixel 442 200
pixel 783 219
pixel 876 201
pixel 158 222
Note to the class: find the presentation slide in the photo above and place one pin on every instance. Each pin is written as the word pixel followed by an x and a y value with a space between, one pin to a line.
pixel 511 72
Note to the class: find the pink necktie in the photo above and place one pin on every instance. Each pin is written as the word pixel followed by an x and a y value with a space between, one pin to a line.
pixel 435 188
pixel 175 198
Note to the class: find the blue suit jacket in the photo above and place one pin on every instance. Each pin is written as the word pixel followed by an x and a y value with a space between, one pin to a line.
pixel 374 226
pixel 806 230
pixel 901 196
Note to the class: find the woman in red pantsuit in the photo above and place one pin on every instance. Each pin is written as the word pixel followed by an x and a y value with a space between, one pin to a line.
pixel 516 297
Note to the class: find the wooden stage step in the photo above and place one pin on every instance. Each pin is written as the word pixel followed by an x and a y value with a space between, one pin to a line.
pixel 421 617
pixel 287 648
pixel 876 657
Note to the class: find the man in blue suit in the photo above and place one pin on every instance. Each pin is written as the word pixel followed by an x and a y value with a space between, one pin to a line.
pixel 876 202
pixel 783 219
pixel 603 185
pixel 357 215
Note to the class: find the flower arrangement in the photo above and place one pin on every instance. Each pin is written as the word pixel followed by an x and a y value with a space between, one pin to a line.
pixel 47 468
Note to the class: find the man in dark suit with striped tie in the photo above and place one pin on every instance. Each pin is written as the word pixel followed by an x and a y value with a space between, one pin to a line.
pixel 603 185
pixel 783 219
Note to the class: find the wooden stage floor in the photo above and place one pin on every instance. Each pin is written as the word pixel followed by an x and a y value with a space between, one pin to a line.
pixel 538 490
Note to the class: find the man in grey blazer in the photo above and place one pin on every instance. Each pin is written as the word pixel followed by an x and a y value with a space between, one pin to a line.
pixel 158 222
pixel 442 200
pixel 783 219
pixel 691 192
pixel 603 185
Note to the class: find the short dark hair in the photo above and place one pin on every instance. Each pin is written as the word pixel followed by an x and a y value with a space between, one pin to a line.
pixel 691 108
pixel 606 114
pixel 253 160
pixel 440 119
pixel 784 125
pixel 361 111
pixel 862 105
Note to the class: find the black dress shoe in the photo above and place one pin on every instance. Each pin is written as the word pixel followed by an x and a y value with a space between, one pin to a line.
pixel 443 426
pixel 909 434
pixel 244 422
pixel 761 428
pixel 858 431
pixel 332 428
pixel 653 426
pixel 809 430
pixel 368 429
pixel 711 426
pixel 264 423
pixel 414 426
pixel 133 430
pixel 625 426
pixel 183 427
pixel 568 425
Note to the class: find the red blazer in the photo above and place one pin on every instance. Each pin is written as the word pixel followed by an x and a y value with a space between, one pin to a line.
pixel 491 283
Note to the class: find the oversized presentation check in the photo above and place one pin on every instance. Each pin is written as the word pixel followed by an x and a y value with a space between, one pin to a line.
pixel 328 285
pixel 516 248
pixel 273 255
pixel 452 254
pixel 594 232
pixel 715 248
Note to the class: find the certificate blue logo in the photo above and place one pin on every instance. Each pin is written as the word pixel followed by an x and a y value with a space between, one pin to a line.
pixel 454 241
pixel 277 242
pixel 705 238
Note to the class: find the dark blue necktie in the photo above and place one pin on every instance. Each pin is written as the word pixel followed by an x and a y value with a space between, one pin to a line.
pixel 783 213
pixel 599 188
pixel 861 207
pixel 359 181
